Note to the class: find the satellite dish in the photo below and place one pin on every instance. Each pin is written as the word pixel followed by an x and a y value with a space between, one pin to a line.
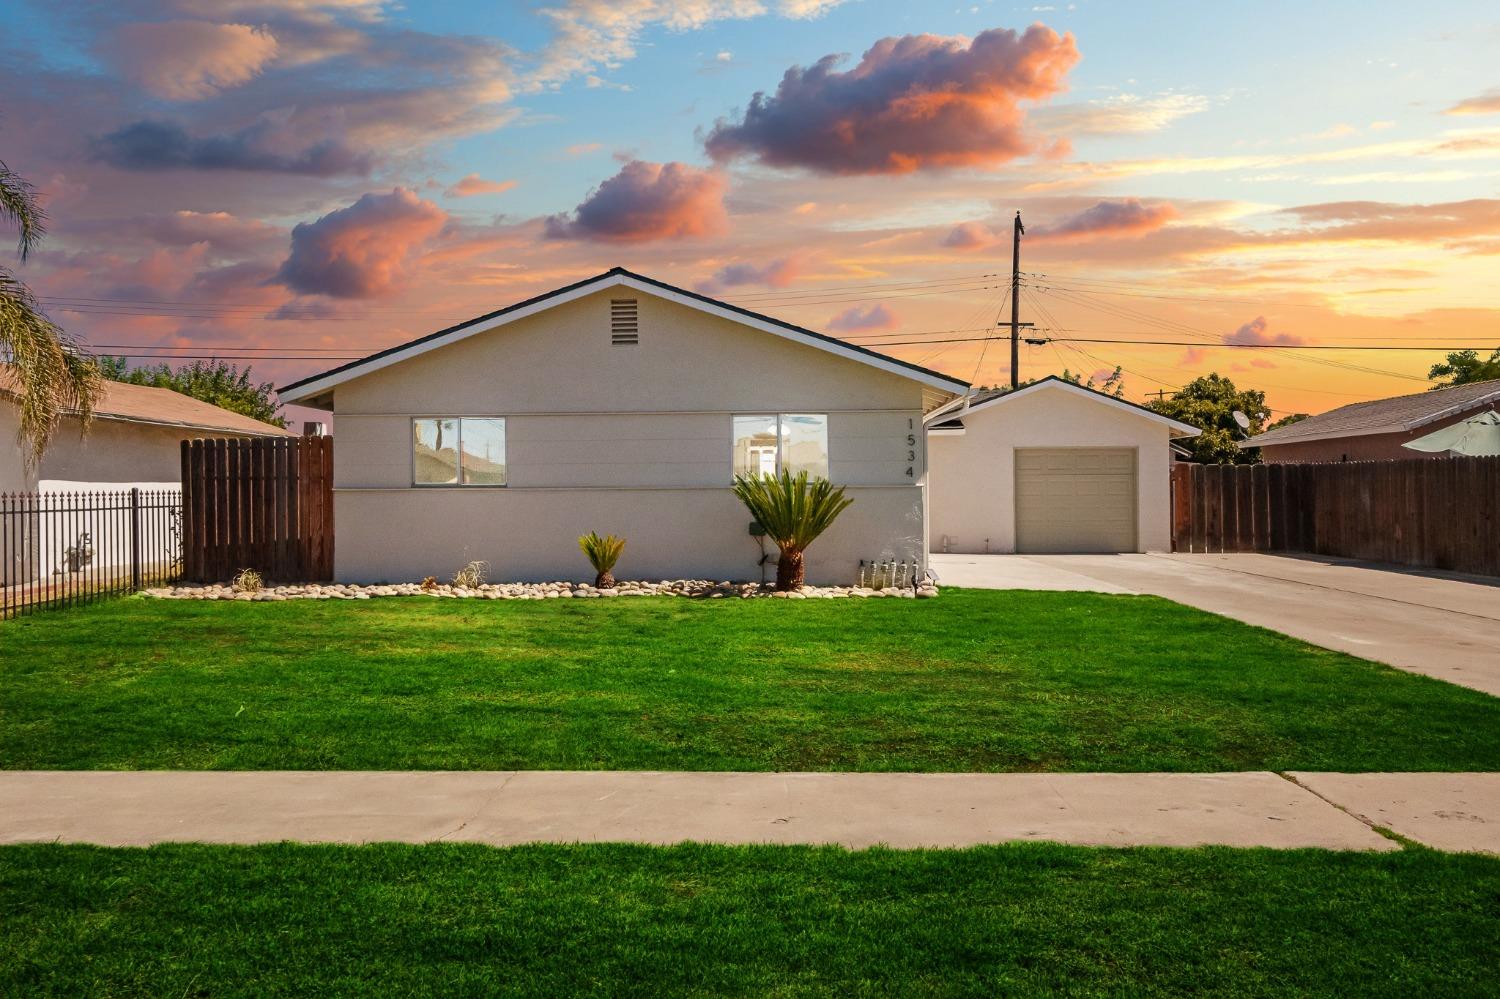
pixel 1242 420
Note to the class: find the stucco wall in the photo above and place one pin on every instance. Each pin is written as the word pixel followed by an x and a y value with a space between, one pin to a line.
pixel 115 453
pixel 971 478
pixel 1366 447
pixel 630 439
pixel 14 476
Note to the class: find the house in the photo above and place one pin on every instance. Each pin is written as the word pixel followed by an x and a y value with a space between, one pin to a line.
pixel 1050 467
pixel 1375 430
pixel 134 441
pixel 623 405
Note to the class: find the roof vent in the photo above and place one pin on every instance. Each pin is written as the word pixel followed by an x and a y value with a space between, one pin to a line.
pixel 624 327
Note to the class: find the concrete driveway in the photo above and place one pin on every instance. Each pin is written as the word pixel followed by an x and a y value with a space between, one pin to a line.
pixel 1443 625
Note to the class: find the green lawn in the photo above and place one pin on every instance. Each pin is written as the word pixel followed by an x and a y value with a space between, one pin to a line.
pixel 972 681
pixel 695 920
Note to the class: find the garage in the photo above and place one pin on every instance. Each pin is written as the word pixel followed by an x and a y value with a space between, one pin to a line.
pixel 1075 499
pixel 1049 467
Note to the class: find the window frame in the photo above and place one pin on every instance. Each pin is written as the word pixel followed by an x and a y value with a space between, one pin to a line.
pixel 458 449
pixel 780 439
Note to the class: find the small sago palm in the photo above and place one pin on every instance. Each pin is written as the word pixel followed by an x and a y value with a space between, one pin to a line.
pixel 794 511
pixel 602 554
pixel 38 362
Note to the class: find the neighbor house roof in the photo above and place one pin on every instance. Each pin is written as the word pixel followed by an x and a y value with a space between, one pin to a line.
pixel 996 397
pixel 315 385
pixel 1384 416
pixel 160 407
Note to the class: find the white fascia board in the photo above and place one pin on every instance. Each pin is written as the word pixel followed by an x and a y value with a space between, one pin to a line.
pixel 1178 428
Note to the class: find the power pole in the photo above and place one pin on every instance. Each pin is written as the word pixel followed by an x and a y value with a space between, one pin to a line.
pixel 1015 304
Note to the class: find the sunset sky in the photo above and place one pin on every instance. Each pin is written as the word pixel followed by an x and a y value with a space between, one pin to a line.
pixel 325 179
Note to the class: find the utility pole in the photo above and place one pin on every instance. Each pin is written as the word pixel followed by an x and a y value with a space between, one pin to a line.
pixel 1015 304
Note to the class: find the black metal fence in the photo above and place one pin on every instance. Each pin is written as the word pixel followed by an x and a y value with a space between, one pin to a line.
pixel 63 548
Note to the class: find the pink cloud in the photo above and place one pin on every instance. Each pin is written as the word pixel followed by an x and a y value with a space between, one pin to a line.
pixel 1192 356
pixel 1258 333
pixel 473 184
pixel 361 251
pixel 1121 217
pixel 971 236
pixel 918 102
pixel 1485 103
pixel 857 320
pixel 776 274
pixel 190 60
pixel 645 202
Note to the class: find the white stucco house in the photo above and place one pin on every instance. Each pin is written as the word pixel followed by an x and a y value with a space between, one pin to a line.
pixel 135 440
pixel 1050 467
pixel 623 405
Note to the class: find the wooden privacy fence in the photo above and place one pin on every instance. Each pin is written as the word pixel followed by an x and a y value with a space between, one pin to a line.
pixel 1439 513
pixel 264 504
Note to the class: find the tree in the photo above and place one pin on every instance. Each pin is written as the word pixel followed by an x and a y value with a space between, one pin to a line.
pixel 794 512
pixel 1113 384
pixel 54 377
pixel 223 384
pixel 1209 403
pixel 1288 420
pixel 1463 367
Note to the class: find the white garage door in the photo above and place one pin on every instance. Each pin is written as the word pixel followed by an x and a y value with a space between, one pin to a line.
pixel 1075 499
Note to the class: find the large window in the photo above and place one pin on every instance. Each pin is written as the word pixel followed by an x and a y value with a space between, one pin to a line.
pixel 458 452
pixel 794 442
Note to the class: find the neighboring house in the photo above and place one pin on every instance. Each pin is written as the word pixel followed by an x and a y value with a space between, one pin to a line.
pixel 1373 431
pixel 135 439
pixel 622 405
pixel 1050 467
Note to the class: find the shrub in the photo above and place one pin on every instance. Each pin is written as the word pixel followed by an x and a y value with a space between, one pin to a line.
pixel 429 583
pixel 247 581
pixel 794 511
pixel 602 554
pixel 471 576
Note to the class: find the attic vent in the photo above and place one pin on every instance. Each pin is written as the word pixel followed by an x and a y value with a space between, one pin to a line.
pixel 623 326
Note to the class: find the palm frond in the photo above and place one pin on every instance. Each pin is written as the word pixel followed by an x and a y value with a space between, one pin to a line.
pixel 54 378
pixel 792 509
pixel 603 552
pixel 20 207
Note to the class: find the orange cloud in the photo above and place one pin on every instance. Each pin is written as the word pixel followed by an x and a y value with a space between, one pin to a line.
pixel 1257 332
pixel 1120 218
pixel 857 320
pixel 776 274
pixel 361 251
pixel 473 184
pixel 190 60
pixel 645 202
pixel 918 102
pixel 1485 103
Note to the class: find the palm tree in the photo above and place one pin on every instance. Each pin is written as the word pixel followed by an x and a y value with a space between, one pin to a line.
pixel 794 512
pixel 602 554
pixel 48 373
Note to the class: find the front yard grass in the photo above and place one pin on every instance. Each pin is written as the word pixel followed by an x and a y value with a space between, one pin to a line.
pixel 1021 919
pixel 973 681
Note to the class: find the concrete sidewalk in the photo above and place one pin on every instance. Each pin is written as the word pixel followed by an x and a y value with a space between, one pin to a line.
pixel 856 810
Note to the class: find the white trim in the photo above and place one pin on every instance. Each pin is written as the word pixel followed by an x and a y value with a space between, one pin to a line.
pixel 362 368
pixel 1178 428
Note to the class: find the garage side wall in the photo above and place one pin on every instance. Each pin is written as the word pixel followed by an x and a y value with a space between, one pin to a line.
pixel 971 478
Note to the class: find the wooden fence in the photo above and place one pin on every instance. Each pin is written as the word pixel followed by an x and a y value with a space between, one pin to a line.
pixel 1439 513
pixel 264 504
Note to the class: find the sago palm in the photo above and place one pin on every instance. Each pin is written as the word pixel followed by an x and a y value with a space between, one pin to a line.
pixel 602 554
pixel 38 362
pixel 794 511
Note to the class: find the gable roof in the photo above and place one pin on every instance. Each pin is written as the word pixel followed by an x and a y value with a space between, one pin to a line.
pixel 314 385
pixel 161 407
pixel 997 397
pixel 1399 414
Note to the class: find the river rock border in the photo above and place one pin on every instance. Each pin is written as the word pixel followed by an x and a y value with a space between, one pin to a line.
pixel 690 588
